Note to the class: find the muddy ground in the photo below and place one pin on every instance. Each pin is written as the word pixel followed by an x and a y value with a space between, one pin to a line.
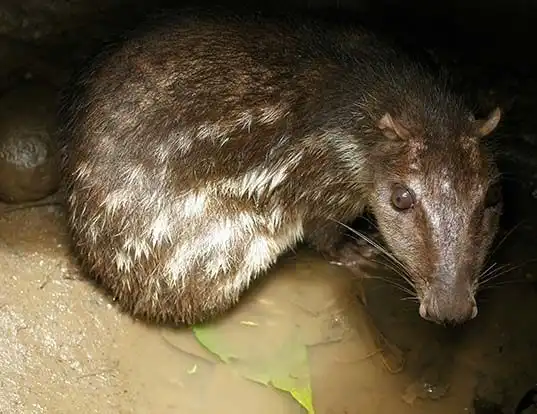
pixel 65 348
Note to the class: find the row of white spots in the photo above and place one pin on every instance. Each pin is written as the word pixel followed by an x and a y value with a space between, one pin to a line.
pixel 163 153
pixel 255 182
pixel 136 248
pixel 83 171
pixel 215 247
pixel 211 244
pixel 194 204
pixel 244 120
pixel 181 141
pixel 123 261
pixel 261 253
pixel 271 114
pixel 219 243
pixel 260 181
pixel 164 223
pixel 116 200
pixel 293 160
pixel 180 264
pixel 211 131
pixel 347 148
pixel 133 175
pixel 158 211
pixel 267 115
pixel 275 219
pixel 160 229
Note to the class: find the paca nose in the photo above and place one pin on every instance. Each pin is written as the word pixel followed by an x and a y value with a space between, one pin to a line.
pixel 448 310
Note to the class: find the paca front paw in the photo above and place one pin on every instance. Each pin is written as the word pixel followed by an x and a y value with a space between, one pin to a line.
pixel 354 253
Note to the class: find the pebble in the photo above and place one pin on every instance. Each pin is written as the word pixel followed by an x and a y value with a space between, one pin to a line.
pixel 29 157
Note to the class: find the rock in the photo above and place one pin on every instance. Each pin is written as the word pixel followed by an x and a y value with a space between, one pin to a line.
pixel 29 157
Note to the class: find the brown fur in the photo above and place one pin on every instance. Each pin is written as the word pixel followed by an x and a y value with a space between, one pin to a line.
pixel 167 102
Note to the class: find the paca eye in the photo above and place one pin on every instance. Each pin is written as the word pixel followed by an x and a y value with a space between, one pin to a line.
pixel 402 197
pixel 494 196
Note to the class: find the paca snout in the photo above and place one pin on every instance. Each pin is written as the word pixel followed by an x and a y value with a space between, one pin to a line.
pixel 446 303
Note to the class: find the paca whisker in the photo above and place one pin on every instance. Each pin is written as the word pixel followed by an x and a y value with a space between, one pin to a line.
pixel 502 271
pixel 487 272
pixel 393 283
pixel 398 271
pixel 371 222
pixel 414 299
pixel 504 238
pixel 379 247
pixel 495 274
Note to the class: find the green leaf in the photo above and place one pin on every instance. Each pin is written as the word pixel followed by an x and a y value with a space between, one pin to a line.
pixel 283 365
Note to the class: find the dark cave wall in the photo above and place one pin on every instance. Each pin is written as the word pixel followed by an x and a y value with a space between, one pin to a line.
pixel 37 28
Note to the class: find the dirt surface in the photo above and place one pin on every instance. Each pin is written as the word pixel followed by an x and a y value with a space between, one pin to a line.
pixel 65 347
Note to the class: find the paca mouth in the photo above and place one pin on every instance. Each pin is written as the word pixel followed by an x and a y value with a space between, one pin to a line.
pixel 444 307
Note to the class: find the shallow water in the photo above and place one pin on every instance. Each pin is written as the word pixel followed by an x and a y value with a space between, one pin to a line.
pixel 66 348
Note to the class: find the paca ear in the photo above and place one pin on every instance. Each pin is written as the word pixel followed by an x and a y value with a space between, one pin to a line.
pixel 484 127
pixel 392 128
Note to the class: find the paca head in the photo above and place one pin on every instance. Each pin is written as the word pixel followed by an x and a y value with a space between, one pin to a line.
pixel 437 200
